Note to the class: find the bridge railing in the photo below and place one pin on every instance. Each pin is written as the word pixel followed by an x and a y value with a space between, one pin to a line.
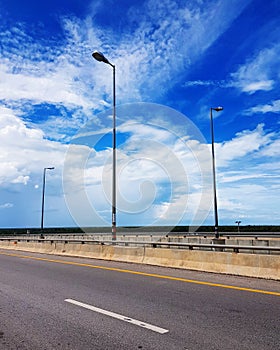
pixel 219 247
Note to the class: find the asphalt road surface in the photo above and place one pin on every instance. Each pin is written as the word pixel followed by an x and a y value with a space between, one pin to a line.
pixel 53 302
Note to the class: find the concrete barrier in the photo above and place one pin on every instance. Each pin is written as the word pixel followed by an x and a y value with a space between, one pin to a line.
pixel 242 264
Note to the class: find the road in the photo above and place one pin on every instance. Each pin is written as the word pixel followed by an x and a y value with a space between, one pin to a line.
pixel 54 302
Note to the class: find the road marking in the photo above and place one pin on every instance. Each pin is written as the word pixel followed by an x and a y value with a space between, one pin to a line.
pixel 118 316
pixel 171 278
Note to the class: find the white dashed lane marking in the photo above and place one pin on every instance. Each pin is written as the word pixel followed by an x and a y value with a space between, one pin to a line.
pixel 118 316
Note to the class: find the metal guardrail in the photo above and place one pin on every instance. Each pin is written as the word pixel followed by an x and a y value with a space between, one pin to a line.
pixel 122 235
pixel 251 234
pixel 154 244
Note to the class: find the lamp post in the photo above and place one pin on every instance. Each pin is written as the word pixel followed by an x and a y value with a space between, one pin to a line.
pixel 217 109
pixel 43 198
pixel 101 58
pixel 238 222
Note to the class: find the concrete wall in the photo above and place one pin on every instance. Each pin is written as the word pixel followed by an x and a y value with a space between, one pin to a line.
pixel 252 265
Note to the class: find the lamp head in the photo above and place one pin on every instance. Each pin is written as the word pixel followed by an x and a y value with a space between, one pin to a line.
pixel 217 109
pixel 100 57
pixel 51 168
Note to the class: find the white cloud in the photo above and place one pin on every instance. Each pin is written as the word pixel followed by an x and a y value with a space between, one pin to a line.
pixel 260 72
pixel 151 164
pixel 66 75
pixel 265 85
pixel 273 107
pixel 160 174
pixel 157 163
pixel 272 149
pixel 156 49
pixel 53 87
pixel 244 144
pixel 24 150
pixel 248 178
pixel 6 206
pixel 215 83
pixel 251 202
pixel 241 176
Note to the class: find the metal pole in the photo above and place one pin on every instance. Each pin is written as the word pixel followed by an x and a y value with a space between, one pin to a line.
pixel 114 225
pixel 43 200
pixel 101 58
pixel 238 223
pixel 217 235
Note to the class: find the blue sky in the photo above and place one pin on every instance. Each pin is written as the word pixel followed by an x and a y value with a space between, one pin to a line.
pixel 174 60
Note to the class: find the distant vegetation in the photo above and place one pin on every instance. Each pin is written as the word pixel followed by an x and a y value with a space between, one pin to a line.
pixel 177 229
pixel 245 228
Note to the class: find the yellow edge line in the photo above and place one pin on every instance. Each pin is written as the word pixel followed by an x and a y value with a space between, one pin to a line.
pixel 145 274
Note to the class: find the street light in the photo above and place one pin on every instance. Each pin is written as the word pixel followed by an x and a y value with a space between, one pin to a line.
pixel 43 198
pixel 238 222
pixel 217 109
pixel 101 58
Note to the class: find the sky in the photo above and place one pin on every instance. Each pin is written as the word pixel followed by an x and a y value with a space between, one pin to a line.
pixel 174 60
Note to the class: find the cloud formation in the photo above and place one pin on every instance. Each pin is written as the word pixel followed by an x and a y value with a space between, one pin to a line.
pixel 50 87
pixel 260 72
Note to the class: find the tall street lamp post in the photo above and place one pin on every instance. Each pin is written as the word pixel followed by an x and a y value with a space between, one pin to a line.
pixel 217 109
pixel 238 222
pixel 43 198
pixel 101 58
